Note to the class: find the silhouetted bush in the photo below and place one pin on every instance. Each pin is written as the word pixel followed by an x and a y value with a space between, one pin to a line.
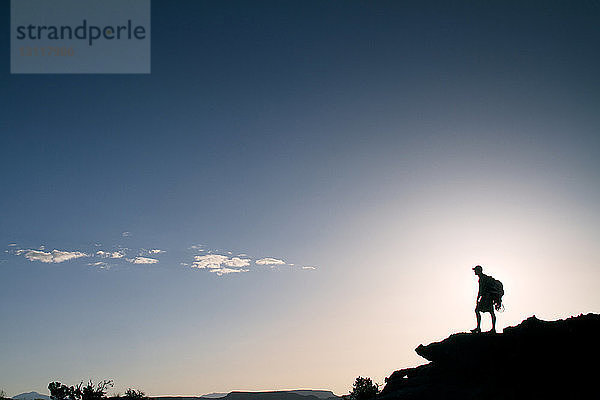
pixel 363 389
pixel 58 391
pixel 133 394
pixel 91 392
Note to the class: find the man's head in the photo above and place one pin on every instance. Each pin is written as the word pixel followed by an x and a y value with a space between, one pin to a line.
pixel 478 270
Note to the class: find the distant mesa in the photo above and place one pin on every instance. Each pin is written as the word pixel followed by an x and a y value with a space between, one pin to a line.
pixel 31 396
pixel 321 394
pixel 533 360
pixel 300 394
pixel 281 395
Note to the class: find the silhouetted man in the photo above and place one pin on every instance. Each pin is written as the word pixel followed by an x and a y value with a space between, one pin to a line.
pixel 489 296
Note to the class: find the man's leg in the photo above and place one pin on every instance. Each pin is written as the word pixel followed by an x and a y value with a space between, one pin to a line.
pixel 493 315
pixel 478 317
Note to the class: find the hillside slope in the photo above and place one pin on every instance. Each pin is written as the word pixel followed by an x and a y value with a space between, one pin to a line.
pixel 31 396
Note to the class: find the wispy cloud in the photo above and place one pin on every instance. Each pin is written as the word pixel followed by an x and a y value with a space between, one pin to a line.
pixel 126 234
pixel 216 261
pixel 110 254
pixel 223 263
pixel 100 264
pixel 97 263
pixel 237 262
pixel 220 264
pixel 270 261
pixel 225 270
pixel 54 256
pixel 211 261
pixel 143 260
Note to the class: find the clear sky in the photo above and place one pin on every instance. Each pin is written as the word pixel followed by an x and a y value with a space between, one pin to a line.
pixel 297 193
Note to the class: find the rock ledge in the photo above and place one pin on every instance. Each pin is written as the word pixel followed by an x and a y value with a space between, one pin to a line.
pixel 533 360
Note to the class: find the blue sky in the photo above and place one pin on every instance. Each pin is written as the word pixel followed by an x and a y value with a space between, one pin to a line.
pixel 371 152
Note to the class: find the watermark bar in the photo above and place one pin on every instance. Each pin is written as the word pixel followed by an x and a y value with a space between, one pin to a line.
pixel 80 37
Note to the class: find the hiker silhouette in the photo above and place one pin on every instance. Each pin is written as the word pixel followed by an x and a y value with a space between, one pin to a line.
pixel 489 297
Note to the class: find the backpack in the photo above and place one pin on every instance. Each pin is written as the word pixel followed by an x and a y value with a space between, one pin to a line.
pixel 496 289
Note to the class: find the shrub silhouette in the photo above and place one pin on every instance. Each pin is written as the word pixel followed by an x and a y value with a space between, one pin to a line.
pixel 132 394
pixel 58 391
pixel 97 392
pixel 363 389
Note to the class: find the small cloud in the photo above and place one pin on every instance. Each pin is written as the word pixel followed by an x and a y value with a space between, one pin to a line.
pixel 225 270
pixel 198 247
pixel 54 256
pixel 12 244
pixel 100 264
pixel 143 260
pixel 110 254
pixel 97 264
pixel 237 262
pixel 156 251
pixel 219 262
pixel 211 261
pixel 126 234
pixel 270 261
pixel 309 267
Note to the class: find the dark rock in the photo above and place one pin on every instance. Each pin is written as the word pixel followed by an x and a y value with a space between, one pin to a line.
pixel 533 360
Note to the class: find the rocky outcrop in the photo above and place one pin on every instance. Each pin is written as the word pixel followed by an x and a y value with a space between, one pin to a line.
pixel 533 360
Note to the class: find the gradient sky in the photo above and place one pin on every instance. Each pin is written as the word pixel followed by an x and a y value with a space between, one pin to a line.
pixel 370 153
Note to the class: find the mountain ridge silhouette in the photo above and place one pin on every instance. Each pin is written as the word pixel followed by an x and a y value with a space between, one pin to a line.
pixel 298 394
pixel 31 396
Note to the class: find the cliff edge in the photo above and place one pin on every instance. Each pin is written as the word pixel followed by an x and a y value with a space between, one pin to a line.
pixel 533 360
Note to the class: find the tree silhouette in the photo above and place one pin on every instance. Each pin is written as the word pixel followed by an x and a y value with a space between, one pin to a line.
pixel 94 392
pixel 58 391
pixel 132 394
pixel 363 389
